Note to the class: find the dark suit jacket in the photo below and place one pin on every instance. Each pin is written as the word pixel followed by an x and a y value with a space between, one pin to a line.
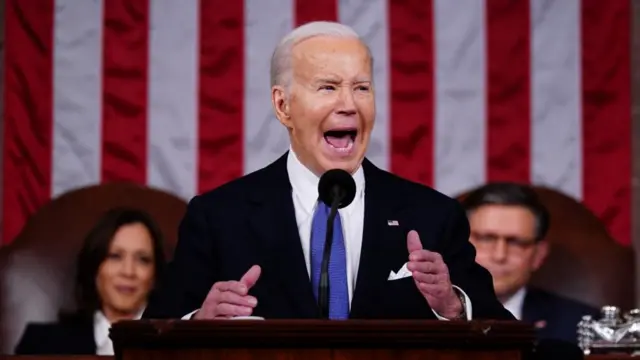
pixel 555 317
pixel 69 336
pixel 251 220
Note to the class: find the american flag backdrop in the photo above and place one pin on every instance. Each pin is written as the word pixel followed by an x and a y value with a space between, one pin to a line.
pixel 175 94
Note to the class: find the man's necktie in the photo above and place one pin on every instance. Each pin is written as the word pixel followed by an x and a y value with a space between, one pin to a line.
pixel 338 291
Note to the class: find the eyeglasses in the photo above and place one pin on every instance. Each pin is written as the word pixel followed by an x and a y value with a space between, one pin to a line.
pixel 513 244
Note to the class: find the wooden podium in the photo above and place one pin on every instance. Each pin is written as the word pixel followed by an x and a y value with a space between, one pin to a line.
pixel 320 339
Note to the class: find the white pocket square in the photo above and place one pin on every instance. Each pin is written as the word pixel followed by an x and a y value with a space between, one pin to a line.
pixel 401 274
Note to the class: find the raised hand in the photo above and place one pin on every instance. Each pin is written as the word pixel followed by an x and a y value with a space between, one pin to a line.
pixel 227 299
pixel 431 276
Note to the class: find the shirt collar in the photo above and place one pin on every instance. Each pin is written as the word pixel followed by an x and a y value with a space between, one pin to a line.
pixel 305 183
pixel 102 325
pixel 515 303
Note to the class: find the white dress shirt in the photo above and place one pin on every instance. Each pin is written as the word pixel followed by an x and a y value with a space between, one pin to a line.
pixel 515 303
pixel 101 326
pixel 304 184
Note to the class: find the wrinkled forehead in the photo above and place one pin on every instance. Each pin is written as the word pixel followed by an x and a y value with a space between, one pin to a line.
pixel 332 54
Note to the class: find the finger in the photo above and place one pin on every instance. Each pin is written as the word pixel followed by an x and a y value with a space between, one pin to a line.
pixel 209 308
pixel 426 267
pixel 434 279
pixel 436 290
pixel 426 255
pixel 229 297
pixel 233 286
pixel 424 278
pixel 225 309
pixel 413 241
pixel 431 278
pixel 251 276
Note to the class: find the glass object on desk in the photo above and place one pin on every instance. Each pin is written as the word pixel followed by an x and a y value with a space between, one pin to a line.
pixel 614 332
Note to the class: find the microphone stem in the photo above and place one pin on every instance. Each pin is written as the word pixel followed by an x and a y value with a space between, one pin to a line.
pixel 323 291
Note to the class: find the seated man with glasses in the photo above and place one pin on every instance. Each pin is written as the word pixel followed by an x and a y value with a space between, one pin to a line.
pixel 508 226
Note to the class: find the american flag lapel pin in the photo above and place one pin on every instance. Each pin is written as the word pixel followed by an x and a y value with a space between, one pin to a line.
pixel 392 222
pixel 540 324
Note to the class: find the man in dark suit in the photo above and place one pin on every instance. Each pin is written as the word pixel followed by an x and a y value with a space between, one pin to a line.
pixel 508 227
pixel 254 246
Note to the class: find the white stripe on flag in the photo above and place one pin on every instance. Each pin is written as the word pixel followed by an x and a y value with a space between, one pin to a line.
pixel 460 95
pixel 265 139
pixel 172 162
pixel 369 19
pixel 556 128
pixel 77 95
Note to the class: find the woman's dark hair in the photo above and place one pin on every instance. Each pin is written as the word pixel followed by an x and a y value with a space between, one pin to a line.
pixel 507 193
pixel 96 248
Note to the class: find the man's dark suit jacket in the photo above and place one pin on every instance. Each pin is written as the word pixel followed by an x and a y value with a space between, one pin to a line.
pixel 555 317
pixel 251 221
pixel 69 336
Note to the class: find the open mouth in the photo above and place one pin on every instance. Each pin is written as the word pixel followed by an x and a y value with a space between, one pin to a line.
pixel 126 289
pixel 341 139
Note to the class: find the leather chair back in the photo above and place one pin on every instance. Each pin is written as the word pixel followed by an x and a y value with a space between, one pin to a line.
pixel 37 269
pixel 585 263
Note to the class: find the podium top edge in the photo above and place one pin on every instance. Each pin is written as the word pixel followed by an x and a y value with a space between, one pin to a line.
pixel 151 326
pixel 343 333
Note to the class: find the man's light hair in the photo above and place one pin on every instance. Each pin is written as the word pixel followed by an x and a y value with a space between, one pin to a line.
pixel 281 59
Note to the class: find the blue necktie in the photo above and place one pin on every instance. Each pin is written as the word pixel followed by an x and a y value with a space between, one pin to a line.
pixel 338 291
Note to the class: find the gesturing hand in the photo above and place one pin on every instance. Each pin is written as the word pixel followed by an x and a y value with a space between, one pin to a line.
pixel 227 299
pixel 431 275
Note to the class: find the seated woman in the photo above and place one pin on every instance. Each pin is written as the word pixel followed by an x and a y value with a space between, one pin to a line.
pixel 117 268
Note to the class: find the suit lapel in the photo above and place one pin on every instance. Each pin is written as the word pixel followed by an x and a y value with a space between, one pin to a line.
pixel 273 221
pixel 533 310
pixel 373 271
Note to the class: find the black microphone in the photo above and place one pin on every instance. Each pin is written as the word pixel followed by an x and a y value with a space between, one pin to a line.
pixel 336 189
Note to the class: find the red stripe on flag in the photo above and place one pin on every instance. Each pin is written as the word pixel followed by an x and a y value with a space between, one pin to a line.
pixel 412 89
pixel 508 88
pixel 316 10
pixel 28 97
pixel 221 93
pixel 124 108
pixel 606 107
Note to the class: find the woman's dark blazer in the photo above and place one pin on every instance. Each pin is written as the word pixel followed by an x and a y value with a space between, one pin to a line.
pixel 70 335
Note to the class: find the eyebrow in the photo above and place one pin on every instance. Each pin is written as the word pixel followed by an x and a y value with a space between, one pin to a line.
pixel 335 80
pixel 324 80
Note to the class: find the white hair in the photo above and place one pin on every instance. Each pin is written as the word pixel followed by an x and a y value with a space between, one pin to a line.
pixel 281 59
